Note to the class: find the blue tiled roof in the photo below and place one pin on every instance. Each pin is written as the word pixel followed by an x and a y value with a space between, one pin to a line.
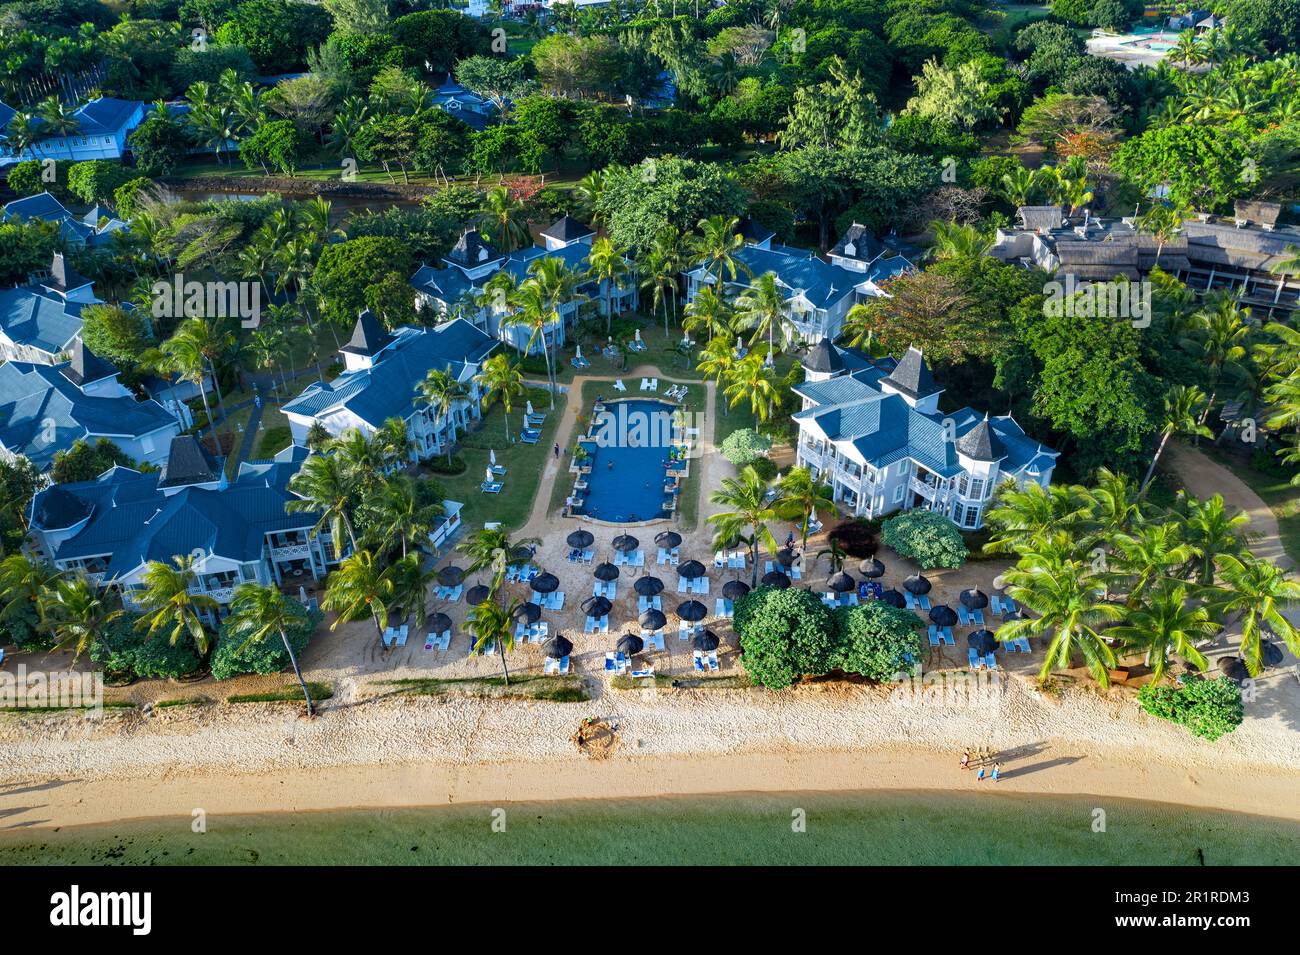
pixel 105 115
pixel 450 283
pixel 40 206
pixel 41 412
pixel 387 389
pixel 31 317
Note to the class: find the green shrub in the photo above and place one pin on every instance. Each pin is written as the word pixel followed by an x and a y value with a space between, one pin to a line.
pixel 1209 708
pixel 438 464
pixel 784 634
pixel 764 468
pixel 857 538
pixel 877 640
pixel 744 446
pixel 126 651
pixel 273 440
pixel 926 537
pixel 235 657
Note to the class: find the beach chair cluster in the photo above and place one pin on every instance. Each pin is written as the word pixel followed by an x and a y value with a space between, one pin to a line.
pixel 596 624
pixel 732 560
pixel 530 436
pixel 438 641
pixel 1019 645
pixel 653 638
pixel 1001 606
pixel 687 631
pixel 489 649
pixel 521 573
pixel 794 571
pixel 970 618
pixel 650 384
pixel 645 603
pixel 914 602
pixel 535 420
pixel 637 345
pixel 533 633
pixel 724 608
pixel 604 588
pixel 552 601
pixel 871 590
pixel 700 585
pixel 634 559
pixel 450 594
pixel 395 636
pixel 668 557
pixel 941 635
pixel 706 662
pixel 581 556
pixel 976 661
pixel 832 599
pixel 491 487
pixel 577 361
pixel 553 667
pixel 676 392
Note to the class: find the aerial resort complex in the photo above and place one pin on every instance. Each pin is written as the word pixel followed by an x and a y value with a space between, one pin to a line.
pixel 874 424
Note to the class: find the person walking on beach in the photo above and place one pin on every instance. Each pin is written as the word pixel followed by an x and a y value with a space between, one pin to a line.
pixel 557 451
pixel 980 777
pixel 965 759
pixel 997 771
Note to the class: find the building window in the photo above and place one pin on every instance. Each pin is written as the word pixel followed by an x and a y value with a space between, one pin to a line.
pixel 899 492
pixel 903 466
pixel 971 517
pixel 977 489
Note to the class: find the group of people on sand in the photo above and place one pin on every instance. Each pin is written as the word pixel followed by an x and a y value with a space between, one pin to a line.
pixel 995 774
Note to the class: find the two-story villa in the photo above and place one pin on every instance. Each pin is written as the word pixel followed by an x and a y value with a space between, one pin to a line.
pixel 874 432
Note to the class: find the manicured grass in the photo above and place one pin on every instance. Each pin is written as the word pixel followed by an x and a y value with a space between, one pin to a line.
pixel 523 686
pixel 319 692
pixel 523 463
pixel 1276 490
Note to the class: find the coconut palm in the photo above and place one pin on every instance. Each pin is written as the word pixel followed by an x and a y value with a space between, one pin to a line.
pixel 494 549
pixel 657 276
pixel 76 612
pixel 1180 417
pixel 1021 518
pixel 860 326
pixel 358 455
pixel 180 356
pixel 21 133
pixel 394 511
pixel 1113 504
pixel 761 308
pixel 588 192
pixel 607 265
pixel 1211 532
pixel 56 118
pixel 259 612
pixel 503 220
pixel 669 249
pixel 718 360
pixel 440 393
pixel 1256 591
pixel 358 587
pixel 500 378
pixel 955 241
pixel 393 441
pixel 411 581
pixel 717 248
pixel 1019 186
pixel 801 495
pixel 490 626
pixel 1220 337
pixel 533 311
pixel 1165 622
pixel 23 583
pixel 708 310
pixel 1062 591
pixel 267 347
pixel 325 487
pixel 1150 555
pixel 1163 223
pixel 746 507
pixel 752 379
pixel 169 600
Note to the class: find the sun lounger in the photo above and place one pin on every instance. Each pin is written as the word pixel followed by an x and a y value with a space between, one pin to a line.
pixel 564 666
pixel 653 638
pixel 713 661
pixel 439 641
pixel 924 601
pixel 557 600
pixel 909 601
pixel 684 630
pixel 613 662
pixel 619 386
pixel 973 658
pixel 699 661
pixel 682 584
pixel 491 487
pixel 945 634
pixel 721 608
pixel 529 437
pixel 1024 645
pixel 638 674
pixel 978 617
pixel 934 636
pixel 990 661
pixel 649 603
pixel 795 572
pixel 963 616
pixel 654 385
pixel 590 625
pixel 702 585
pixel 645 384
pixel 995 604
pixel 389 636
pixel 550 666
pixel 453 594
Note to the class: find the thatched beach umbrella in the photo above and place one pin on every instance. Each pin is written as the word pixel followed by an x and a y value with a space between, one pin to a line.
pixel 668 540
pixel 439 622
pixel 691 569
pixel 653 619
pixel 629 644
pixel 477 594
pixel 974 599
pixel 1270 654
pixel 625 543
pixel 871 568
pixel 917 585
pixel 1234 668
pixel 785 557
pixel 527 613
pixel 893 598
pixel 557 648
pixel 648 586
pixel 774 578
pixel 523 554
pixel 692 611
pixel 546 583
pixel 735 589
pixel 982 641
pixel 706 641
pixel 605 571
pixel 450 576
pixel 841 583
pixel 596 606
pixel 580 540
pixel 942 615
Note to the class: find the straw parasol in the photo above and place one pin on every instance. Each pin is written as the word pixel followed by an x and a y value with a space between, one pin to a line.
pixel 1234 668
pixel 625 543
pixel 477 594
pixel 774 578
pixel 942 615
pixel 648 586
pixel 871 568
pixel 630 644
pixel 785 557
pixel 580 540
pixel 450 576
pixel 692 611
pixel 735 589
pixel 668 539
pixel 597 606
pixel 691 569
pixel 605 571
pixel 546 583
pixel 917 585
pixel 653 619
pixel 841 582
pixel 527 613
pixel 439 622
pixel 982 641
pixel 557 648
pixel 893 598
pixel 974 599
pixel 706 641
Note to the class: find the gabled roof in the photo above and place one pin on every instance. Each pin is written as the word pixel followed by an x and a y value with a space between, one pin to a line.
pixel 86 367
pixel 1041 218
pixel 858 242
pixel 912 376
pixel 105 115
pixel 567 229
pixel 755 232
pixel 472 250
pixel 40 206
pixel 368 336
pixel 63 277
pixel 30 316
pixel 188 462
pixel 56 509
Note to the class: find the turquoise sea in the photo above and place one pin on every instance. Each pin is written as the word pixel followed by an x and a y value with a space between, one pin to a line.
pixel 875 828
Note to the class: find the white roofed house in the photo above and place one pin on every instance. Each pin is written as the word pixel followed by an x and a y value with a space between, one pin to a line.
pixel 457 288
pixel 382 370
pixel 874 432
pixel 818 293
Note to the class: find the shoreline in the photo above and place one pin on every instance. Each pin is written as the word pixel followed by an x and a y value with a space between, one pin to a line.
pixel 98 804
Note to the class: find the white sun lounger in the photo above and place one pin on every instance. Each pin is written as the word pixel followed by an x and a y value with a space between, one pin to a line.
pixel 551 665
pixel 713 661
pixel 618 385
pixel 653 638
pixel 645 384
pixel 654 385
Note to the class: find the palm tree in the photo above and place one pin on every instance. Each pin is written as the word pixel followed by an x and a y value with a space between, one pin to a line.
pixel 1221 336
pixel 1257 591
pixel 1062 591
pixel 1019 186
pixel 358 455
pixel 493 548
pixel 325 486
pixel 411 581
pixel 268 347
pixel 718 360
pixel 588 192
pixel 181 357
pixel 503 220
pixel 534 312
pixel 1179 417
pixel 748 507
pixel 753 379
pixel 607 265
pixel 260 611
pixel 717 247
pixel 501 378
pixel 440 393
pixel 1163 623
pixel 762 308
pixel 21 133
pixel 492 625
pixel 802 495
pixel 169 600
pixel 708 310
pixel 657 276
pixel 357 587
pixel 1112 506
pixel 1022 517
pixel 860 327
pixel 56 119
pixel 1149 555
pixel 76 612
pixel 1163 223
pixel 1211 532
pixel 955 241
pixel 23 584
pixel 394 511
pixel 393 441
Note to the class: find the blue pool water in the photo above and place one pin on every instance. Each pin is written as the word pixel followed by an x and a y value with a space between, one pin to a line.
pixel 627 478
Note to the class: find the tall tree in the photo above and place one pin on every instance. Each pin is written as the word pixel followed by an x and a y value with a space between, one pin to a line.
pixel 259 612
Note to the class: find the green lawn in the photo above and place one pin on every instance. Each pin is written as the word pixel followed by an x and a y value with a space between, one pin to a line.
pixel 1277 491
pixel 523 463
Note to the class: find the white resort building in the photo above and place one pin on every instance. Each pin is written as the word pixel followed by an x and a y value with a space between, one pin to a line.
pixel 874 432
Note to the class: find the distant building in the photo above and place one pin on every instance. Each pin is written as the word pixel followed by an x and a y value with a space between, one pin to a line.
pixel 456 288
pixel 44 409
pixel 818 293
pixel 237 531
pixel 94 228
pixel 466 105
pixel 103 125
pixel 1235 252
pixel 382 371
pixel 874 432
pixel 39 321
